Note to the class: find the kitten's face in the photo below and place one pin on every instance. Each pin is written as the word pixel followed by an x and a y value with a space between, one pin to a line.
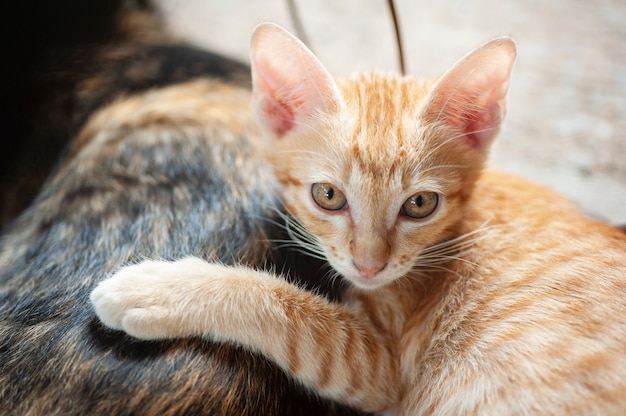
pixel 372 182
pixel 376 167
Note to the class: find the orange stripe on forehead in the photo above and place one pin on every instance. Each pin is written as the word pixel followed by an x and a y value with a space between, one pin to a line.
pixel 381 104
pixel 377 138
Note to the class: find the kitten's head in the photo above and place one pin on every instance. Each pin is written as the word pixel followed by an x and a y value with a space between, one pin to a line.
pixel 377 167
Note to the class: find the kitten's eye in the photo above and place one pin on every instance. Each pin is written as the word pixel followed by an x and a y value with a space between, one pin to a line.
pixel 327 196
pixel 420 205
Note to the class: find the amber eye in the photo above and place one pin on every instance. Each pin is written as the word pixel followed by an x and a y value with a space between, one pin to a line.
pixel 420 205
pixel 327 196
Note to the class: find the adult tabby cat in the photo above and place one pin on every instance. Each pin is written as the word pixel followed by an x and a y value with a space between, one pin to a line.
pixel 158 165
pixel 473 292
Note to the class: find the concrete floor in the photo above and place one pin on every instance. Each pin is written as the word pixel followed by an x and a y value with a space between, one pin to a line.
pixel 566 125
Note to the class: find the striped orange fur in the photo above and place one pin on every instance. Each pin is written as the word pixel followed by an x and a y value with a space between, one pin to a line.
pixel 497 298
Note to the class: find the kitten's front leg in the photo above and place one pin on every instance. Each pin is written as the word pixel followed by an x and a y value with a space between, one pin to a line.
pixel 190 297
pixel 145 300
pixel 328 347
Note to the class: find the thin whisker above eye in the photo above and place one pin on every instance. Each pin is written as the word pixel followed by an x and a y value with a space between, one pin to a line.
pixel 425 158
pixel 418 169
pixel 423 171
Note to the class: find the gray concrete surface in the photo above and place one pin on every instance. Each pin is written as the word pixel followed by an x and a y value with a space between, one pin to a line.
pixel 566 126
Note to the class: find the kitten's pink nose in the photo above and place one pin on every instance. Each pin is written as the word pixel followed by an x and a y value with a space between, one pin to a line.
pixel 369 270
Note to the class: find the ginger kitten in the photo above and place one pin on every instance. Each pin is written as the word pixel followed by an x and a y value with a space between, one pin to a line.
pixel 472 291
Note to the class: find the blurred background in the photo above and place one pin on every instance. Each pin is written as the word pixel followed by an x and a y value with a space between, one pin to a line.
pixel 566 126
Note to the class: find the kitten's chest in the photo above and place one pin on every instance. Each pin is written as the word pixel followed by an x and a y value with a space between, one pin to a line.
pixel 438 326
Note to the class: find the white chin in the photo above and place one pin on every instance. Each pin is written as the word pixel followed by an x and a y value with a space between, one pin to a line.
pixel 365 283
pixel 368 283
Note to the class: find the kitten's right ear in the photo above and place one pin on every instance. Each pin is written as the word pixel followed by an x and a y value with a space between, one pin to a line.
pixel 470 97
pixel 290 85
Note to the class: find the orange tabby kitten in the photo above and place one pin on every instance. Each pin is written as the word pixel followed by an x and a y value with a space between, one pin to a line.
pixel 473 292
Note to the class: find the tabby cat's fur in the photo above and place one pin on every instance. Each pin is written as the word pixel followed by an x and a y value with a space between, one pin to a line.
pixel 159 166
pixel 474 292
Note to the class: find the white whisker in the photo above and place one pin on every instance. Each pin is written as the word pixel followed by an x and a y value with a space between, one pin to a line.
pixel 299 237
pixel 436 268
pixel 435 257
pixel 423 171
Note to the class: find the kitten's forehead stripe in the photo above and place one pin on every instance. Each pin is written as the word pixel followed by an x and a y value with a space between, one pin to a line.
pixel 382 103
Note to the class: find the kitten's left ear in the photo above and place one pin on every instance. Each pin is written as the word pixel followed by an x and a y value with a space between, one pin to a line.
pixel 290 85
pixel 470 97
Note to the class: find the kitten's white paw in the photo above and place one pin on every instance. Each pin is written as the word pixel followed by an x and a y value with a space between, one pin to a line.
pixel 106 300
pixel 142 299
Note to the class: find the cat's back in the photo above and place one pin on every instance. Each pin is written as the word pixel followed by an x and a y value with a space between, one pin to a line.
pixel 532 322
pixel 540 228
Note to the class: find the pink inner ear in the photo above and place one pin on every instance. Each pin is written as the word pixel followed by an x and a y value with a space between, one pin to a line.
pixel 475 112
pixel 471 96
pixel 276 112
pixel 482 126
pixel 291 87
pixel 276 116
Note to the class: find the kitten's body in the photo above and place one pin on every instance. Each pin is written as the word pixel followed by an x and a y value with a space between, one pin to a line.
pixel 499 298
pixel 529 321
pixel 159 166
